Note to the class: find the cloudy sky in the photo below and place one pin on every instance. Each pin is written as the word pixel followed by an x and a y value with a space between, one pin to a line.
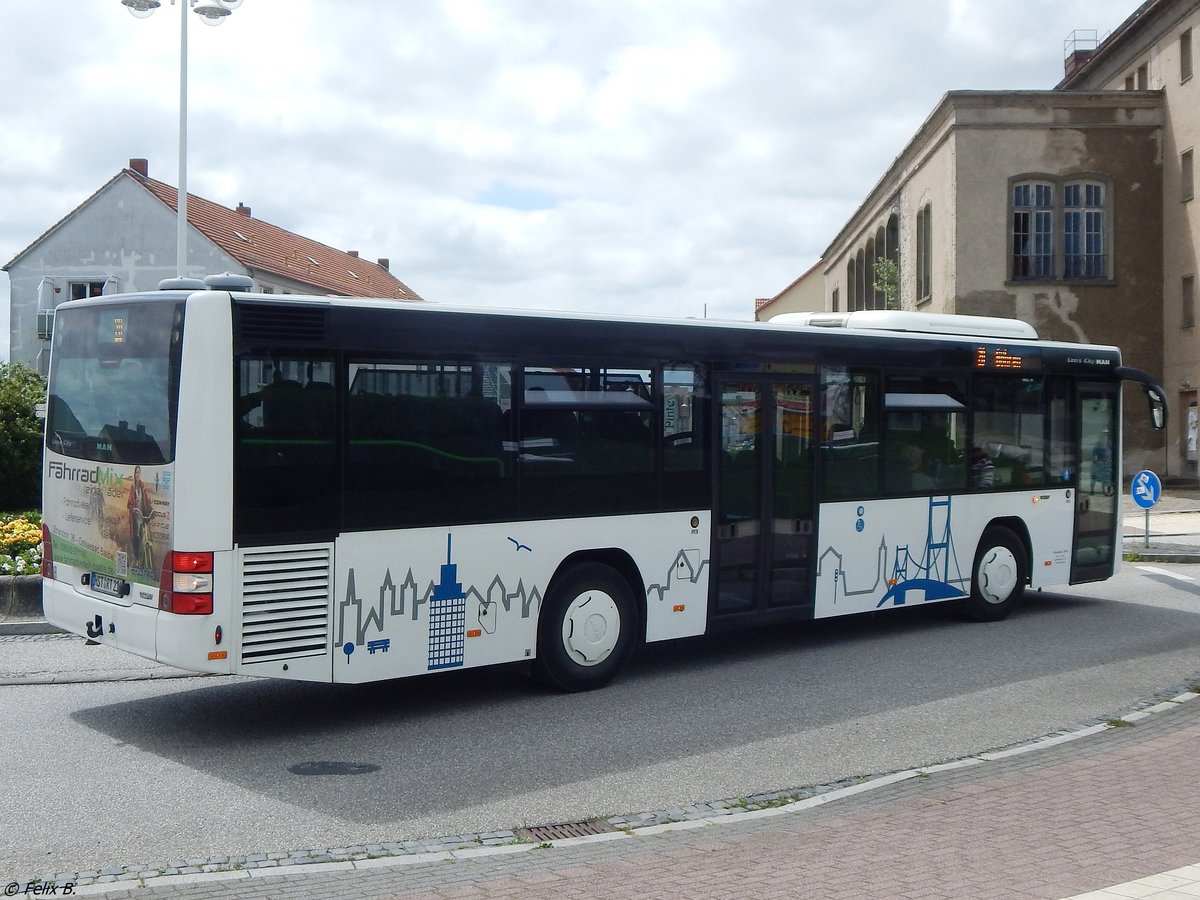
pixel 660 157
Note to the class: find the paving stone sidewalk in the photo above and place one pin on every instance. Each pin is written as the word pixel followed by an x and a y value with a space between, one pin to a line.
pixel 1071 814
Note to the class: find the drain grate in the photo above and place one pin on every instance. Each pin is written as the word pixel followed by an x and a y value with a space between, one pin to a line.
pixel 543 833
pixel 332 767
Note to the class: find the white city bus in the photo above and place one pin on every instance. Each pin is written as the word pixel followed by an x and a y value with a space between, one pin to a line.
pixel 350 490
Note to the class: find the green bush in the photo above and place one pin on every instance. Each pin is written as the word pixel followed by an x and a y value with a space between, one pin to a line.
pixel 21 389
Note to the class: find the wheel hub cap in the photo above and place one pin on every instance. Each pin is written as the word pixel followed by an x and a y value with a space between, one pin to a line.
pixel 997 575
pixel 591 628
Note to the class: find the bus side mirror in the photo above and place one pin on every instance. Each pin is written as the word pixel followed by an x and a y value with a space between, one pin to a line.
pixel 1158 408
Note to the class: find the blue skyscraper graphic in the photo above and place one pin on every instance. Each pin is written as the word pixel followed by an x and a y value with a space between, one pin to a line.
pixel 447 617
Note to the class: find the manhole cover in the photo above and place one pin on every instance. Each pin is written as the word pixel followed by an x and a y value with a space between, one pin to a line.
pixel 332 767
pixel 567 830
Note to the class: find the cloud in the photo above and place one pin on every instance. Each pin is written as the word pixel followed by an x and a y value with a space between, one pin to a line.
pixel 606 155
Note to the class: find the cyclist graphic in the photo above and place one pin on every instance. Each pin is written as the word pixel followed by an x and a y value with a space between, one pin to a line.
pixel 141 551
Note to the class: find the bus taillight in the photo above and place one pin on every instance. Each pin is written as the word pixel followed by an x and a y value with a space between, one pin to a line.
pixel 47 553
pixel 192 562
pixel 185 587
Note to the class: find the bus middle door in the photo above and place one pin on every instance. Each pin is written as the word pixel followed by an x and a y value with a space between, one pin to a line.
pixel 765 500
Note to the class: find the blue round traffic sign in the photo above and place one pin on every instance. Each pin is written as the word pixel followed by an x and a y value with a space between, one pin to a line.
pixel 1145 489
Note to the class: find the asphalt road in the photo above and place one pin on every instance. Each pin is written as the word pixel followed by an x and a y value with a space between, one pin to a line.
pixel 118 773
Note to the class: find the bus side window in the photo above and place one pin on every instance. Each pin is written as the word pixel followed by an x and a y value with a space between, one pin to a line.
pixel 427 443
pixel 286 437
pixel 1009 426
pixel 589 431
pixel 682 420
pixel 850 434
pixel 925 452
pixel 685 436
pixel 925 443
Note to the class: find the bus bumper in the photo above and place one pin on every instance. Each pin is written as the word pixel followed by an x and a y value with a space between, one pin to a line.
pixel 137 629
pixel 126 627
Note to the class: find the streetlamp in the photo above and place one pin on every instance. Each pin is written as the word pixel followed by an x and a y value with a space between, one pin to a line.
pixel 212 12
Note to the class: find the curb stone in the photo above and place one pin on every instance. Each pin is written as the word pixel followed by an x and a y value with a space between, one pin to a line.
pixel 21 595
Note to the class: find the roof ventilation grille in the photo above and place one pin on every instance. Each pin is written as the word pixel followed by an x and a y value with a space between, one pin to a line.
pixel 281 324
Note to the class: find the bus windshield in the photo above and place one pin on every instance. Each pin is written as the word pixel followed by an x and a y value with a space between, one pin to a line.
pixel 114 384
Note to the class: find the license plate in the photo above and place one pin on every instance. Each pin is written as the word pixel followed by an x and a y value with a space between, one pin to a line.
pixel 107 584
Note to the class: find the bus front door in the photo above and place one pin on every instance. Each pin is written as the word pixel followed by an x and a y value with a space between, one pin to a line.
pixel 1099 495
pixel 765 499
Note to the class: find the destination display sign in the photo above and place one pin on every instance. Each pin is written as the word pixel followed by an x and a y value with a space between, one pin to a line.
pixel 1001 359
pixel 113 324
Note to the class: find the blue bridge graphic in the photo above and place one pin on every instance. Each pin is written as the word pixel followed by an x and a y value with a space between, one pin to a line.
pixel 936 575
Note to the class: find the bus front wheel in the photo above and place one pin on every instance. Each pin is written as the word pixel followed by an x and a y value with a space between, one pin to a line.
pixel 998 577
pixel 586 629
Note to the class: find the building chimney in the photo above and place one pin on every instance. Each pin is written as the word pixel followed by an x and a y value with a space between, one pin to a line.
pixel 243 209
pixel 353 253
pixel 1079 47
pixel 140 167
pixel 1076 61
pixel 385 264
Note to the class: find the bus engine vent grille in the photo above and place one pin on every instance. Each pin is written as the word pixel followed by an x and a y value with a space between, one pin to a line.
pixel 285 603
pixel 288 324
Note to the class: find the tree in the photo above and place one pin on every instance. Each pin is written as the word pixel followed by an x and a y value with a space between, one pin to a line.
pixel 21 389
pixel 887 282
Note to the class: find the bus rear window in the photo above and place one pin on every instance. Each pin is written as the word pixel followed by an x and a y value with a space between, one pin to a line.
pixel 114 383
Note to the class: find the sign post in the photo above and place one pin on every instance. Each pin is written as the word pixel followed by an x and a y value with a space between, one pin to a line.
pixel 1145 488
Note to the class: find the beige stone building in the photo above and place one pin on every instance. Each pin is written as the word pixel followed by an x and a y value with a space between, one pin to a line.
pixel 1070 208
pixel 805 294
pixel 1154 50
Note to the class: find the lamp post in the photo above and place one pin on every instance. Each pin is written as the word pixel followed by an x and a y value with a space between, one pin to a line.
pixel 212 12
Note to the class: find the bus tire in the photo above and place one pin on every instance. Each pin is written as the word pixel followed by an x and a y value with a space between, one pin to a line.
pixel 586 630
pixel 998 576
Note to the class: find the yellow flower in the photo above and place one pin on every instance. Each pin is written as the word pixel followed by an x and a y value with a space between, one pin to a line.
pixel 17 535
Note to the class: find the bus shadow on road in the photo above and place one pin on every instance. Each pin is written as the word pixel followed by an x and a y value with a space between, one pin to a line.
pixel 432 745
pixel 757 644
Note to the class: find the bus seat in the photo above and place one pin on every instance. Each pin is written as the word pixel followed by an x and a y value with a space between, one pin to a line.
pixel 559 425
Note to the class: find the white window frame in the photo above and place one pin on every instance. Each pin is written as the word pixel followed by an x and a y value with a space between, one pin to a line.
pixel 1085 255
pixel 1032 230
pixel 1060 228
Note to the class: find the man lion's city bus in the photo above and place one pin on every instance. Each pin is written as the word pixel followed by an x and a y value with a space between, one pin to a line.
pixel 348 490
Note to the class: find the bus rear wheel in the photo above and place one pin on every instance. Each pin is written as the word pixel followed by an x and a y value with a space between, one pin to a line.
pixel 998 577
pixel 586 630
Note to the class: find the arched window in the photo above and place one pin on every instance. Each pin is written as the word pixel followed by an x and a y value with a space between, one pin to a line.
pixel 893 252
pixel 881 253
pixel 860 282
pixel 870 296
pixel 924 256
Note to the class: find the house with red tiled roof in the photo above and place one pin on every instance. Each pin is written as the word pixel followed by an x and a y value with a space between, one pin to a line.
pixel 122 238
